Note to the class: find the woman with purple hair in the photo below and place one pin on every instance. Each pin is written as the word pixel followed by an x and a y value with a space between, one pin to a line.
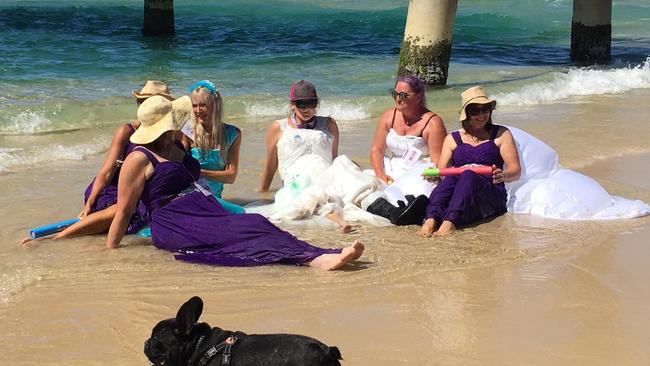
pixel 408 139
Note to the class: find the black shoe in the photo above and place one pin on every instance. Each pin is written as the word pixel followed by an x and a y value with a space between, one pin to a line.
pixel 411 214
pixel 381 207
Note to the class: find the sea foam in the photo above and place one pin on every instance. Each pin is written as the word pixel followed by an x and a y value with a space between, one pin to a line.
pixel 27 122
pixel 578 82
pixel 16 279
pixel 12 158
pixel 341 111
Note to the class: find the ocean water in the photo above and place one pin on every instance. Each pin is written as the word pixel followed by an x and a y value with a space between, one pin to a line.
pixel 70 66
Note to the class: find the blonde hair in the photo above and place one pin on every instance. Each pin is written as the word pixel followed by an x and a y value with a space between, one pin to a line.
pixel 203 140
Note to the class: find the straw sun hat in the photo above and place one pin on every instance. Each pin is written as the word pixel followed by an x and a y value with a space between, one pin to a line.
pixel 158 115
pixel 151 88
pixel 474 95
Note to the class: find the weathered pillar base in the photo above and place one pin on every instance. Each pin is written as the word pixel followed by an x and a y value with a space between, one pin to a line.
pixel 429 63
pixel 591 44
pixel 158 18
pixel 426 48
pixel 591 31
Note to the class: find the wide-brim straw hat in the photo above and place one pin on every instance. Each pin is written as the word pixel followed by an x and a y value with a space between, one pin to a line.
pixel 151 88
pixel 158 115
pixel 474 95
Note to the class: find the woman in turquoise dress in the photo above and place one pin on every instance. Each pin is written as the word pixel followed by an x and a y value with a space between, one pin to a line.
pixel 213 143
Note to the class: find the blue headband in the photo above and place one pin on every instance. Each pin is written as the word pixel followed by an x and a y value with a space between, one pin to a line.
pixel 205 84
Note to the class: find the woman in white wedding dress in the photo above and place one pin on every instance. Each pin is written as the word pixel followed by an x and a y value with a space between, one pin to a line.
pixel 303 148
pixel 407 140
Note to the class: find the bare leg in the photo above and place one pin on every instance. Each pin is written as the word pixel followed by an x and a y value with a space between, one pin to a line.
pixel 330 262
pixel 96 222
pixel 338 220
pixel 427 228
pixel 446 228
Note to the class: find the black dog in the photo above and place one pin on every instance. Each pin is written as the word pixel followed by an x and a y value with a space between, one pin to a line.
pixel 182 341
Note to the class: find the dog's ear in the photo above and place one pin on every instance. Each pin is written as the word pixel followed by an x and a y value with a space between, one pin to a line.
pixel 189 314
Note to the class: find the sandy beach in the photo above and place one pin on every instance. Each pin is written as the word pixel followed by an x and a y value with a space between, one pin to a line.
pixel 517 290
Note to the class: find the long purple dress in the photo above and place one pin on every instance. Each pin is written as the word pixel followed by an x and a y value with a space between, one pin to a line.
pixel 108 196
pixel 194 224
pixel 469 197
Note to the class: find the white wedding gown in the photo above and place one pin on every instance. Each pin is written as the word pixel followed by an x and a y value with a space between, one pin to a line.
pixel 313 183
pixel 546 189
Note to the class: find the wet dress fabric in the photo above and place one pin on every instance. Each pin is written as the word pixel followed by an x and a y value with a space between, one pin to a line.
pixel 108 196
pixel 469 197
pixel 199 229
pixel 212 160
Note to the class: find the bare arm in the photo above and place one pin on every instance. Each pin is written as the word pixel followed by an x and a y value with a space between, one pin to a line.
pixel 109 167
pixel 184 140
pixel 510 157
pixel 448 147
pixel 134 173
pixel 435 135
pixel 334 129
pixel 271 161
pixel 378 148
pixel 447 150
pixel 229 173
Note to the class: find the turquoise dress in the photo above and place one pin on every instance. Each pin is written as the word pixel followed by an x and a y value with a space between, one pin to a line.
pixel 211 160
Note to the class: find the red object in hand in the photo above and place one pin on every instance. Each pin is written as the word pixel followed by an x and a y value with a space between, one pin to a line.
pixel 480 170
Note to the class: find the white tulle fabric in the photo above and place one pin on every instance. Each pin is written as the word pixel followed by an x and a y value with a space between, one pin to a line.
pixel 313 183
pixel 546 189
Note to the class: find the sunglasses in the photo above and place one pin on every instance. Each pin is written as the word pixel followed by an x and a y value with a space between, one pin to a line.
pixel 475 110
pixel 402 95
pixel 304 104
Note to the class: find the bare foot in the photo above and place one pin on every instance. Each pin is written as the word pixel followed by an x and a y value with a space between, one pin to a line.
pixel 446 228
pixel 340 222
pixel 345 227
pixel 27 242
pixel 330 262
pixel 358 248
pixel 427 228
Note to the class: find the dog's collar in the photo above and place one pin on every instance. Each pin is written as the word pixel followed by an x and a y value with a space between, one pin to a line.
pixel 198 344
pixel 224 347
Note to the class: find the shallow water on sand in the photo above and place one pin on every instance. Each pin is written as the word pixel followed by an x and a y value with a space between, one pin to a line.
pixel 515 290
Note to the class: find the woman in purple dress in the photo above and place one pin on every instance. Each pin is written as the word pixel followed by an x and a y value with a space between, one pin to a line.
pixel 187 219
pixel 467 198
pixel 101 194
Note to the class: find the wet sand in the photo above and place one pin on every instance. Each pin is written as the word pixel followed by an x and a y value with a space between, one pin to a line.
pixel 516 290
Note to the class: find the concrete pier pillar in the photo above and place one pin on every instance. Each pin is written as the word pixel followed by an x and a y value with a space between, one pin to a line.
pixel 158 17
pixel 591 31
pixel 426 47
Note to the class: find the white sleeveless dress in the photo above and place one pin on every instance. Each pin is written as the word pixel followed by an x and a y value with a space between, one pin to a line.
pixel 406 172
pixel 313 183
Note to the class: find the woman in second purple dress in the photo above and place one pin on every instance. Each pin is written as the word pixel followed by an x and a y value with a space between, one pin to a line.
pixel 188 220
pixel 469 197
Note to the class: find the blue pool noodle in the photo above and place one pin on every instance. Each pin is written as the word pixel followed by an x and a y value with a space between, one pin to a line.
pixel 52 228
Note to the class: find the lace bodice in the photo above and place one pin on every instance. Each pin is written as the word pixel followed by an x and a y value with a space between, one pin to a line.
pixel 397 145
